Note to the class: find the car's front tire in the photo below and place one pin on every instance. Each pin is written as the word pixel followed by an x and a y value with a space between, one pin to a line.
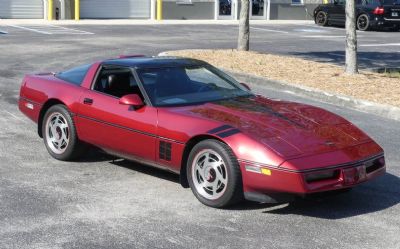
pixel 321 18
pixel 363 22
pixel 214 174
pixel 59 134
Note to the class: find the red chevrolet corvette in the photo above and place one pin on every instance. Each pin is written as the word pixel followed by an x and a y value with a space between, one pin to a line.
pixel 188 117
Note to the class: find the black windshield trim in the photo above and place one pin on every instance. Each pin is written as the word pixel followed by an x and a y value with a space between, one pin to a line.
pixel 250 95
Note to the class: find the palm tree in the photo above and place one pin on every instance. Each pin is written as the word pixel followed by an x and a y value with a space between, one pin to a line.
pixel 351 66
pixel 244 27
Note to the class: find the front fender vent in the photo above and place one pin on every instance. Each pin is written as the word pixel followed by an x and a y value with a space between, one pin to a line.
pixel 165 151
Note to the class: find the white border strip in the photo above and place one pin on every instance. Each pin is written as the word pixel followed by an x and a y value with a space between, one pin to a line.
pixel 379 45
pixel 33 30
pixel 75 30
pixel 271 30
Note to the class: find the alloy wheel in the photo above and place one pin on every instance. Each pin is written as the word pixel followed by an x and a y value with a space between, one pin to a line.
pixel 209 174
pixel 57 133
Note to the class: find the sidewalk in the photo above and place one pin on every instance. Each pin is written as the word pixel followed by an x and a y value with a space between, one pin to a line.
pixel 143 22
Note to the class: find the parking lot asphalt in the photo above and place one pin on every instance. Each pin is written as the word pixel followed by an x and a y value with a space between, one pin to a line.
pixel 377 49
pixel 103 202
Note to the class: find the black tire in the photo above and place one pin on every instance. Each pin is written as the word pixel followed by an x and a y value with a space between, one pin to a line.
pixel 231 192
pixel 321 18
pixel 363 23
pixel 70 150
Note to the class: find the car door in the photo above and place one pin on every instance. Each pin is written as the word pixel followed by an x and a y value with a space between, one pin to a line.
pixel 329 9
pixel 114 127
pixel 338 15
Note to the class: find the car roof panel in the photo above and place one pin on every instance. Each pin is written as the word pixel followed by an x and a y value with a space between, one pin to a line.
pixel 154 62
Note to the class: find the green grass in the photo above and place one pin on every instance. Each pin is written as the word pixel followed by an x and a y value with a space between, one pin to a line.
pixel 393 74
pixel 390 72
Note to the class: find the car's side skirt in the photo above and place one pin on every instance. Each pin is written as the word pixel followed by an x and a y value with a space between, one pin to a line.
pixel 140 160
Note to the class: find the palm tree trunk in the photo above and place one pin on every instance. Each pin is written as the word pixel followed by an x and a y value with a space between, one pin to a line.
pixel 351 66
pixel 244 27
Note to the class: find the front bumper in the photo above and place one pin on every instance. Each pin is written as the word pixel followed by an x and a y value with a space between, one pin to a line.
pixel 282 182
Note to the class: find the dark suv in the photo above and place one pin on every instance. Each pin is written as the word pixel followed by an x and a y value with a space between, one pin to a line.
pixel 370 14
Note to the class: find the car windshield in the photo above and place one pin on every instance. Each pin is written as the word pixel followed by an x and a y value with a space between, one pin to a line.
pixel 188 85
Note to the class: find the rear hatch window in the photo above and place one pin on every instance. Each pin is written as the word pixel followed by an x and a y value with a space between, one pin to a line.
pixel 392 9
pixel 74 75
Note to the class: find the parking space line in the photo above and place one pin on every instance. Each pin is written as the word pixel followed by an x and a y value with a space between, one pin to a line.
pixel 326 27
pixel 323 36
pixel 380 45
pixel 49 29
pixel 316 26
pixel 310 30
pixel 15 116
pixel 271 30
pixel 29 29
pixel 76 30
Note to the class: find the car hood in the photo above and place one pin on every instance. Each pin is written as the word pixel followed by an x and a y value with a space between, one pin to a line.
pixel 290 129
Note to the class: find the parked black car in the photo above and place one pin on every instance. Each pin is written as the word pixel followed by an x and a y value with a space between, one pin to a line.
pixel 371 14
pixel 225 7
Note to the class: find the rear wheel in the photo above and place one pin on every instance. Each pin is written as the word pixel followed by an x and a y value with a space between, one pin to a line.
pixel 321 18
pixel 214 174
pixel 59 134
pixel 363 22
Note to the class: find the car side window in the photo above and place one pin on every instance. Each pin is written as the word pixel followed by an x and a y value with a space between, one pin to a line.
pixel 365 2
pixel 116 81
pixel 376 3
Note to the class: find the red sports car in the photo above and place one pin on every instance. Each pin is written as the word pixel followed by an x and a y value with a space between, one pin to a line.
pixel 188 117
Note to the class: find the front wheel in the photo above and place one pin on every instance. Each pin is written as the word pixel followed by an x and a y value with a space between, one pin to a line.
pixel 59 134
pixel 214 174
pixel 321 18
pixel 363 22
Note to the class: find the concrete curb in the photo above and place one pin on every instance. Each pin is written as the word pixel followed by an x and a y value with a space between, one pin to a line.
pixel 386 111
pixel 382 110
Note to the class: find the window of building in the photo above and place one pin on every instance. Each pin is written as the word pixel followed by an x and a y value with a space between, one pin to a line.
pixel 297 2
pixel 183 2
